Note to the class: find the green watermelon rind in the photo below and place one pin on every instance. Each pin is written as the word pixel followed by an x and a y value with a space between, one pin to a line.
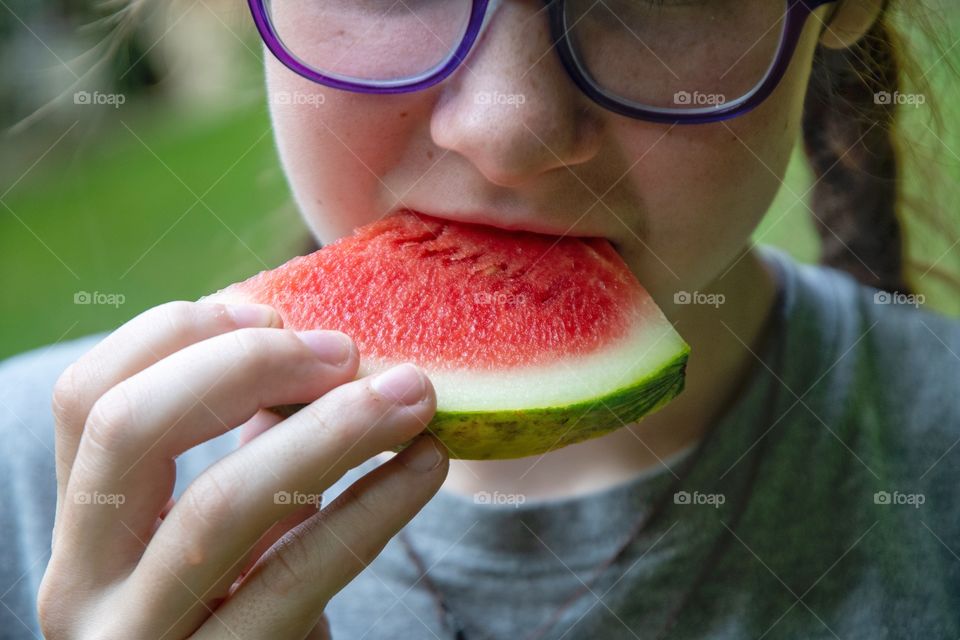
pixel 490 435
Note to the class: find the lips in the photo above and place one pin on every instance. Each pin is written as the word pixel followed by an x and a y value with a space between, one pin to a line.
pixel 528 225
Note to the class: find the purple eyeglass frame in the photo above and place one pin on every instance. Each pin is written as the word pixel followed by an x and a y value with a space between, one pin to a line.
pixel 795 18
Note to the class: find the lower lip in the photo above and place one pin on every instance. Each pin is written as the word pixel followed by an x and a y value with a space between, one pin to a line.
pixel 460 220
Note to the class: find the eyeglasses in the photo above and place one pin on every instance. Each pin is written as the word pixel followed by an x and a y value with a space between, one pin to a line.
pixel 670 61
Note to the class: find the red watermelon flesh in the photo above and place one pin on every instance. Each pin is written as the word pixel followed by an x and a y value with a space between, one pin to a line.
pixel 532 341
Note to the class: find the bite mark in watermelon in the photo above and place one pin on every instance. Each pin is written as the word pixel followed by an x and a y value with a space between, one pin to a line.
pixel 532 342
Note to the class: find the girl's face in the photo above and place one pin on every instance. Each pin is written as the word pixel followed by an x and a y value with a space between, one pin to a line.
pixel 679 203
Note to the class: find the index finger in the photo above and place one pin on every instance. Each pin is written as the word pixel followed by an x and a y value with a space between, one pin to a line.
pixel 146 339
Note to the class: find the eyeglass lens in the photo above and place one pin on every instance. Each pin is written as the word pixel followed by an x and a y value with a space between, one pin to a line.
pixel 663 54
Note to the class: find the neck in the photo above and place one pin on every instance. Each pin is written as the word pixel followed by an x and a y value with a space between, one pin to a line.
pixel 721 340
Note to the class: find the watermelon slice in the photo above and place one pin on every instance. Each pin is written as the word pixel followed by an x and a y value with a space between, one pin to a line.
pixel 532 342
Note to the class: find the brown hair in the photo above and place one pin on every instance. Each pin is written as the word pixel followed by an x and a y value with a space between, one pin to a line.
pixel 852 137
pixel 854 144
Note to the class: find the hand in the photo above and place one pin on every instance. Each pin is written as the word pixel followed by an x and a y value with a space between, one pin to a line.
pixel 244 552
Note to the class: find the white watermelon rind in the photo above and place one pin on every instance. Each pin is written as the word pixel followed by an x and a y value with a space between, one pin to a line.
pixel 503 434
pixel 489 414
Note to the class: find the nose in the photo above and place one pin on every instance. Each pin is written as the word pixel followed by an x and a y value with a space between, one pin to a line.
pixel 510 108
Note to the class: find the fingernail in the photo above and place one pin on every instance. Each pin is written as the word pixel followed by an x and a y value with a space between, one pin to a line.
pixel 421 456
pixel 253 315
pixel 402 384
pixel 330 346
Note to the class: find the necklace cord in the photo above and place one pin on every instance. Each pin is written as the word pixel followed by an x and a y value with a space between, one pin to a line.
pixel 774 326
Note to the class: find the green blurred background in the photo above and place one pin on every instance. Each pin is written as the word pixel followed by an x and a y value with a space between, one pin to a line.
pixel 178 191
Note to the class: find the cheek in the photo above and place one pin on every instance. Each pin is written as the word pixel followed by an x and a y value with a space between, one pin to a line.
pixel 705 188
pixel 335 148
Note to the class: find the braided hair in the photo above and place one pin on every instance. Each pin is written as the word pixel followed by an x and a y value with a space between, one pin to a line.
pixel 852 138
pixel 850 141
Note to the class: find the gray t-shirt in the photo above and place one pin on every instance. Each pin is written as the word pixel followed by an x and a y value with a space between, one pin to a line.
pixel 823 504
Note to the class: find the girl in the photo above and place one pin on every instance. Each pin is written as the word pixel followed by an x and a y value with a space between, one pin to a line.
pixel 803 486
